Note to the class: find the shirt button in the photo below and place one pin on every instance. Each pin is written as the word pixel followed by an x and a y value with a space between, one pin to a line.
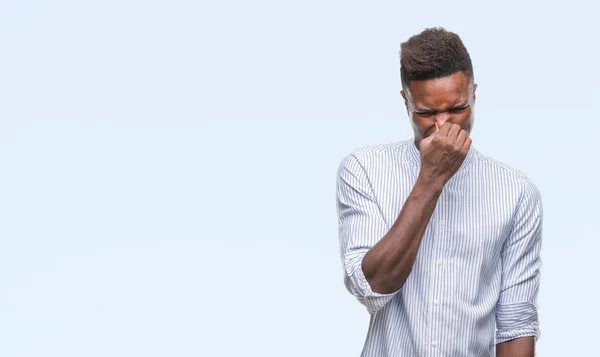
pixel 436 302
pixel 442 222
pixel 439 262
pixel 434 343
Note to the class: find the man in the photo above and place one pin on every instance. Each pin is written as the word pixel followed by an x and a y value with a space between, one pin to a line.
pixel 440 242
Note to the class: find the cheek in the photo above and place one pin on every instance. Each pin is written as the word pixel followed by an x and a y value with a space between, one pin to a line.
pixel 417 124
pixel 462 118
pixel 422 127
pixel 465 121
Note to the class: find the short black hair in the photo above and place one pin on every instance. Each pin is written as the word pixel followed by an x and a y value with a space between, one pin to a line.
pixel 434 53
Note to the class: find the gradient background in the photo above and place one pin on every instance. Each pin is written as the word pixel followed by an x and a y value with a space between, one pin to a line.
pixel 168 168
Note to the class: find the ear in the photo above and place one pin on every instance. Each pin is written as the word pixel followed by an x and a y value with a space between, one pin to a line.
pixel 403 94
pixel 474 89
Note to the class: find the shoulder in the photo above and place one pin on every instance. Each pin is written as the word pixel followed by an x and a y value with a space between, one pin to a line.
pixel 508 176
pixel 375 155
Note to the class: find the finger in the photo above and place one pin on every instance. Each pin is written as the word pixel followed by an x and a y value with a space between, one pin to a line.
pixel 433 131
pixel 424 143
pixel 426 140
pixel 454 131
pixel 467 145
pixel 462 136
pixel 445 129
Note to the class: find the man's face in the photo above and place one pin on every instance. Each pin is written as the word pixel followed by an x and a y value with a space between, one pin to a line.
pixel 449 99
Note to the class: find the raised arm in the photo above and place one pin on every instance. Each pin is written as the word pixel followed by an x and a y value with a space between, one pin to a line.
pixel 388 264
pixel 378 261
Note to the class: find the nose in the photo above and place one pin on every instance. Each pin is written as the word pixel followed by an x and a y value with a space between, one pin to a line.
pixel 442 118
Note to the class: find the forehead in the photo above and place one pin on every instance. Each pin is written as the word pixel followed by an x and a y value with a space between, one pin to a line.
pixel 440 92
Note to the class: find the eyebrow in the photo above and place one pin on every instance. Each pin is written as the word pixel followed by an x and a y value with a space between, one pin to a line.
pixel 426 110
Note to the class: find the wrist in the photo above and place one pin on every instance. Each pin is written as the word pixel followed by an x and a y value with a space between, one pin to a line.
pixel 430 183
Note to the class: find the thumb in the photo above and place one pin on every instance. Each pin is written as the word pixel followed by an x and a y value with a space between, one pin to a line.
pixel 428 139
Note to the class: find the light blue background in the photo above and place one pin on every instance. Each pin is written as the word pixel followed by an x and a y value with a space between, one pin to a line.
pixel 168 168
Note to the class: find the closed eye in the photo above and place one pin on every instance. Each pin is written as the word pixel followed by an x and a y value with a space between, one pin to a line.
pixel 457 110
pixel 425 114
